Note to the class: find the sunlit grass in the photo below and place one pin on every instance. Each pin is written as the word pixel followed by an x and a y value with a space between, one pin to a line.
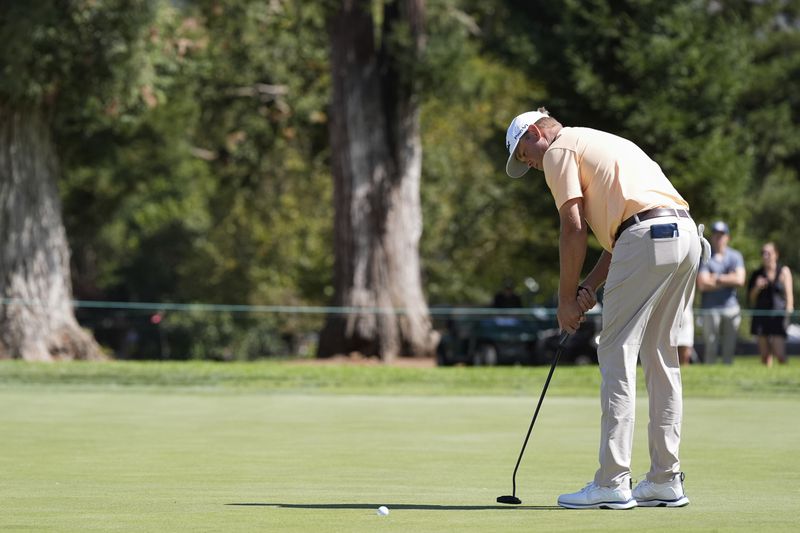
pixel 138 456
pixel 746 376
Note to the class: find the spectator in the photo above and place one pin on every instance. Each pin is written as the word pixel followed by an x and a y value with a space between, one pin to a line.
pixel 507 297
pixel 770 289
pixel 717 281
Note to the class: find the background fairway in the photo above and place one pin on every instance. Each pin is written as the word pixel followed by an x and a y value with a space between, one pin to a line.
pixel 206 457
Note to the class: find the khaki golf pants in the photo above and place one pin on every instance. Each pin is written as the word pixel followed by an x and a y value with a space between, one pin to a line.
pixel 650 282
pixel 720 328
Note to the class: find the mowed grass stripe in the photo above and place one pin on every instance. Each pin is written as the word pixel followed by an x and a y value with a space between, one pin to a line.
pixel 746 377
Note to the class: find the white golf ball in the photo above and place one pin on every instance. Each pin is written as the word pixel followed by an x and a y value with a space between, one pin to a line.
pixel 383 510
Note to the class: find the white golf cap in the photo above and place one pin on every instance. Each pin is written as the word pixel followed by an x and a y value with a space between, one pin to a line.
pixel 518 127
pixel 720 227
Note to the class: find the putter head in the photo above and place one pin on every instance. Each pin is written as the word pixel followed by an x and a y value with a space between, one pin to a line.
pixel 509 500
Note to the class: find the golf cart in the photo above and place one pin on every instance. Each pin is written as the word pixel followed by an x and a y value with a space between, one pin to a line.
pixel 521 339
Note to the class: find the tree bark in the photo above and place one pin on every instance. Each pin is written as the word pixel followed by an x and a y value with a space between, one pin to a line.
pixel 37 322
pixel 376 164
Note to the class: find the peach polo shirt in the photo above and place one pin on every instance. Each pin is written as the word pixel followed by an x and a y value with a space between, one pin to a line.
pixel 615 178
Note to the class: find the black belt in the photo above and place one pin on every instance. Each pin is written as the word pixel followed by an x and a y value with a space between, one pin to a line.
pixel 647 215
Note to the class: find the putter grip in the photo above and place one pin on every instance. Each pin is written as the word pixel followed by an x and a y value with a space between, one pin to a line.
pixel 563 340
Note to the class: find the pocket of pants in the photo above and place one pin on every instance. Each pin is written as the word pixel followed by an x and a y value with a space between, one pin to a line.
pixel 665 251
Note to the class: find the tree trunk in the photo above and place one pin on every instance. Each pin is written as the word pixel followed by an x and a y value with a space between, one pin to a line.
pixel 376 164
pixel 37 322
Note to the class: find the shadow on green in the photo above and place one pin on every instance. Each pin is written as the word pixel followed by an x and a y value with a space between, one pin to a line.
pixel 402 506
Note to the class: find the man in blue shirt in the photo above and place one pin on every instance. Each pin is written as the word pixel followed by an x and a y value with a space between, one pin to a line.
pixel 717 281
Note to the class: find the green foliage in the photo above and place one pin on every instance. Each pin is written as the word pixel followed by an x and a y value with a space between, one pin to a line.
pixel 134 193
pixel 222 179
pixel 70 50
pixel 226 336
pixel 264 93
pixel 668 75
pixel 94 64
pixel 194 144
pixel 701 86
pixel 772 107
pixel 479 226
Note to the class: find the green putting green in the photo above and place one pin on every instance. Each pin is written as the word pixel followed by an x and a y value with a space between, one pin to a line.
pixel 102 453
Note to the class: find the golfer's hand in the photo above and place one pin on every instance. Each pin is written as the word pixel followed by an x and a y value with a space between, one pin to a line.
pixel 570 316
pixel 587 298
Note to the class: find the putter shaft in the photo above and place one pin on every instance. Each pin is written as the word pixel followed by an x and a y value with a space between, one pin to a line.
pixel 561 343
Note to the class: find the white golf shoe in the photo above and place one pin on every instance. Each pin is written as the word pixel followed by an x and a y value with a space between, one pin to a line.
pixel 669 494
pixel 593 496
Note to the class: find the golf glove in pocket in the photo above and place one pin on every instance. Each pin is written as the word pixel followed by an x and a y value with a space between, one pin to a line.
pixel 705 254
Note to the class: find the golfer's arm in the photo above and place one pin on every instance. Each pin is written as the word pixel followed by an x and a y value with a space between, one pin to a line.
pixel 599 273
pixel 571 248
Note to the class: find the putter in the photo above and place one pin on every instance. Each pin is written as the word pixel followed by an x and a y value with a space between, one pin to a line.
pixel 512 499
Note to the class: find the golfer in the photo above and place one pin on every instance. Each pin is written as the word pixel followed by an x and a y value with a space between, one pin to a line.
pixel 651 251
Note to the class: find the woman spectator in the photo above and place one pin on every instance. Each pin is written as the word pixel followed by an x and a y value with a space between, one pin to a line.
pixel 770 289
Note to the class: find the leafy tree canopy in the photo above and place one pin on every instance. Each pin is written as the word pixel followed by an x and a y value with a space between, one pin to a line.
pixel 194 145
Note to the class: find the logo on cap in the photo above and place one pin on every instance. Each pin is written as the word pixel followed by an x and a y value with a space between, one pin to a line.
pixel 720 227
